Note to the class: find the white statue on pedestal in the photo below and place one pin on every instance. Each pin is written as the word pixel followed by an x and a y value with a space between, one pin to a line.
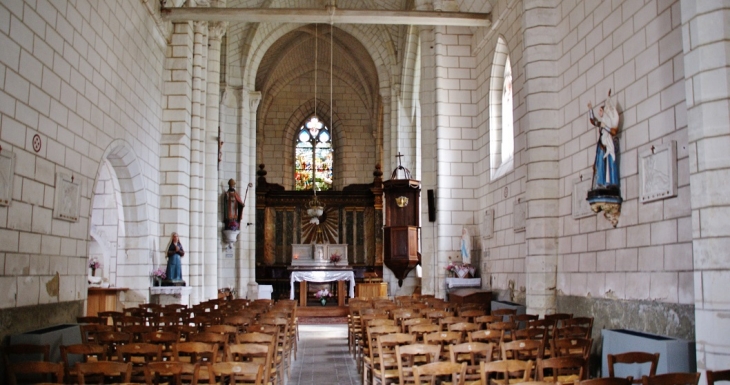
pixel 465 246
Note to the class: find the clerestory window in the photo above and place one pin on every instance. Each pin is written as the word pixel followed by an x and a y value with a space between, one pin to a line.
pixel 313 158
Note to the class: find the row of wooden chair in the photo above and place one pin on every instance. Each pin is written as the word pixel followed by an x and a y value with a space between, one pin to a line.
pixel 171 372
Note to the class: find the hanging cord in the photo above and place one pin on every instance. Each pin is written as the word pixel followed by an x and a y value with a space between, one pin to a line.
pixel 316 38
pixel 332 108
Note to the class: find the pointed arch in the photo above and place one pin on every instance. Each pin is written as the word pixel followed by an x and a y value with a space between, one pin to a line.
pixel 501 124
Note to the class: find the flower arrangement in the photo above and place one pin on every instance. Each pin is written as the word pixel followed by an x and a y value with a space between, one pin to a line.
pixel 460 271
pixel 94 263
pixel 334 258
pixel 159 273
pixel 324 293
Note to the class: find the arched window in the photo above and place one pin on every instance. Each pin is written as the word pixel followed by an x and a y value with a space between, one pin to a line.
pixel 313 158
pixel 501 121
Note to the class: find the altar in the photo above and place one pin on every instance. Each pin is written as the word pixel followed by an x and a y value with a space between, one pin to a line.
pixel 339 274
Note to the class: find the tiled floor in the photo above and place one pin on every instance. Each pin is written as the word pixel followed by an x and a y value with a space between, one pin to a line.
pixel 323 357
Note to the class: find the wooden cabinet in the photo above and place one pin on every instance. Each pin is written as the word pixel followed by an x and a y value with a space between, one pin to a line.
pixel 483 297
pixel 102 299
pixel 371 290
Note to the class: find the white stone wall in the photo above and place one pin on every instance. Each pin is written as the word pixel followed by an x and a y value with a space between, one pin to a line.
pixel 80 75
pixel 353 139
pixel 503 255
pixel 635 50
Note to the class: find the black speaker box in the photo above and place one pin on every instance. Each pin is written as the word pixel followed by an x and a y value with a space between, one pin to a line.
pixel 431 205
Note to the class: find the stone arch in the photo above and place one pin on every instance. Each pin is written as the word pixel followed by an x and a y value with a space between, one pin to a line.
pixel 132 252
pixel 497 164
pixel 339 136
pixel 267 34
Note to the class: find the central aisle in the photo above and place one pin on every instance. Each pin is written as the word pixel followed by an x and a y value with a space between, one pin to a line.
pixel 323 357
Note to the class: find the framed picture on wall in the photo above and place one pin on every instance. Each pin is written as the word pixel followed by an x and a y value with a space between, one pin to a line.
pixel 520 215
pixel 487 228
pixel 581 207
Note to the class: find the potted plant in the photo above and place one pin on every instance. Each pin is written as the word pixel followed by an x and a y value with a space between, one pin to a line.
pixel 158 275
pixel 322 296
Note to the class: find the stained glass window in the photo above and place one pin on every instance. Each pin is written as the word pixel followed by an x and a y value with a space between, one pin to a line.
pixel 313 158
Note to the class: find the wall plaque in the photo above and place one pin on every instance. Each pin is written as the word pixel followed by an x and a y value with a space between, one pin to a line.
pixel 658 172
pixel 520 215
pixel 68 194
pixel 488 224
pixel 581 207
pixel 7 174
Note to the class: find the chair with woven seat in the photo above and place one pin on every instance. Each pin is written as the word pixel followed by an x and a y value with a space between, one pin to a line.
pixel 446 321
pixel 228 330
pixel 717 375
pixel 641 363
pixel 444 339
pixel 493 337
pixel 34 371
pixel 607 381
pixel 89 331
pixel 672 379
pixel 369 352
pixel 522 319
pixel 111 340
pixel 464 328
pixel 409 355
pixel 385 368
pixel 121 371
pixel 426 373
pixel 270 342
pixel 89 352
pixel 137 331
pixel 249 373
pixel 408 323
pixel 508 329
pixel 253 352
pixel 472 353
pixel 196 352
pixel 522 350
pixel 171 372
pixel 505 372
pixel 484 320
pixel 422 329
pixel 139 354
pixel 471 314
pixel 562 369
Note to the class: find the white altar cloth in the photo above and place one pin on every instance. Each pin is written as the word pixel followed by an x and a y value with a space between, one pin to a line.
pixel 463 282
pixel 322 276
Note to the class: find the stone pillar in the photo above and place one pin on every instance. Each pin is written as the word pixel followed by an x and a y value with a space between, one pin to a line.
pixel 212 231
pixel 197 265
pixel 540 19
pixel 433 276
pixel 175 141
pixel 707 89
pixel 247 239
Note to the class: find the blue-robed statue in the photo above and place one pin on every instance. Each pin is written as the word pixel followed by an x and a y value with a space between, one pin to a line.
pixel 605 193
pixel 174 252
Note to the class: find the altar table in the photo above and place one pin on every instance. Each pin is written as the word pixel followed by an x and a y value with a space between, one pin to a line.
pixel 322 276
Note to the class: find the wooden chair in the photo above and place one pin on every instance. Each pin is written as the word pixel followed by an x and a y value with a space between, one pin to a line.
pixel 227 330
pixel 34 371
pixel 443 339
pixel 522 319
pixel 89 331
pixel 505 313
pixel 505 371
pixel 107 316
pixel 219 340
pixel 196 352
pixel 171 372
pixel 137 331
pixel 164 339
pixel 139 354
pixel 672 379
pixel 562 369
pixel 638 360
pixel 717 375
pixel 572 347
pixel 472 353
pixel 252 352
pixel 586 322
pixel 428 372
pixel 385 370
pixel 557 317
pixel 493 337
pixel 87 352
pixel 607 381
pixel 485 320
pixel 369 344
pixel 422 329
pixel 111 340
pixel 284 342
pixel 508 329
pixel 522 350
pixel 270 342
pixel 446 321
pixel 471 314
pixel 236 372
pixel 106 369
pixel 408 355
pixel 464 328
pixel 408 323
